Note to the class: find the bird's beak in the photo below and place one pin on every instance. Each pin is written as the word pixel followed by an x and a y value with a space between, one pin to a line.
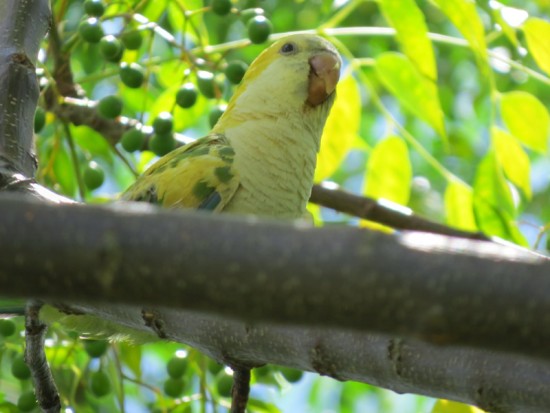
pixel 323 77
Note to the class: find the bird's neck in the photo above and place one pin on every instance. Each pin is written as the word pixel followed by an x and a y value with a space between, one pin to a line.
pixel 275 155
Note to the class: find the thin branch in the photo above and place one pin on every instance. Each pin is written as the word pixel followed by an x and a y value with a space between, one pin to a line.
pixel 76 163
pixel 394 216
pixel 35 357
pixel 240 390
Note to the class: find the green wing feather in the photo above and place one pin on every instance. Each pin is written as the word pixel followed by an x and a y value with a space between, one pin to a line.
pixel 198 175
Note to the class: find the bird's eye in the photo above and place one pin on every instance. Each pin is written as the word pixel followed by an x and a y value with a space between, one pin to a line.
pixel 288 48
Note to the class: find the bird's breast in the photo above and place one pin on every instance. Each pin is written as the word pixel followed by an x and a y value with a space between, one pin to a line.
pixel 275 160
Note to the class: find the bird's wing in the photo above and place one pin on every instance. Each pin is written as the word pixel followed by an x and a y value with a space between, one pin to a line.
pixel 198 175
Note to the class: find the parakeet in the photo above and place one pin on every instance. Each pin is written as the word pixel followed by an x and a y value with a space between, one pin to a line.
pixel 258 159
pixel 260 156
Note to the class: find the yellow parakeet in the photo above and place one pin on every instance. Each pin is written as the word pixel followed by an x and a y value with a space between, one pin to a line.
pixel 260 157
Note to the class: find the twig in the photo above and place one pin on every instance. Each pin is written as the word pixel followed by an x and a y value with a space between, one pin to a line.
pixel 240 390
pixel 35 357
pixel 368 208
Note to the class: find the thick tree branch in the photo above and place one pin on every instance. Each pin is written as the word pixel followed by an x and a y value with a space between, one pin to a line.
pixel 497 382
pixel 19 43
pixel 443 290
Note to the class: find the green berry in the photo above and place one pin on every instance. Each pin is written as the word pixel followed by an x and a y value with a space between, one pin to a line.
pixel 235 71
pixel 93 176
pixel 110 107
pixel 221 7
pixel 225 384
pixel 291 375
pixel 26 402
pixel 163 123
pixel 213 366
pixel 90 30
pixel 173 387
pixel 215 113
pixel 259 29
pixel 39 119
pixel 100 384
pixel 73 335
pixel 19 368
pixel 94 8
pixel 176 366
pixel 186 95
pixel 7 328
pixel 131 39
pixel 162 144
pixel 132 140
pixel 206 84
pixel 110 47
pixel 132 74
pixel 95 348
pixel 248 14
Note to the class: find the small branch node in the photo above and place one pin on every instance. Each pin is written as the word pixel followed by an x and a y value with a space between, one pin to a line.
pixel 154 322
pixel 395 355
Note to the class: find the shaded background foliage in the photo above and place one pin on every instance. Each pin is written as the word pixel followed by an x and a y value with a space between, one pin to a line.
pixel 457 131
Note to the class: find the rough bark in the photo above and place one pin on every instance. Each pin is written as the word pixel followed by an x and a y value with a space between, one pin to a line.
pixel 495 381
pixel 295 316
pixel 44 385
pixel 23 24
pixel 443 290
pixel 22 27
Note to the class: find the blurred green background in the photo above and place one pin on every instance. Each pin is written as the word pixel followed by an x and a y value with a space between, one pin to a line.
pixel 442 108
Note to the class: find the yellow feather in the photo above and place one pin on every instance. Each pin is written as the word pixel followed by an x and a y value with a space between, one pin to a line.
pixel 184 177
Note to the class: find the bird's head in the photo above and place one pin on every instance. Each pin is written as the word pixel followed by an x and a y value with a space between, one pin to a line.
pixel 296 74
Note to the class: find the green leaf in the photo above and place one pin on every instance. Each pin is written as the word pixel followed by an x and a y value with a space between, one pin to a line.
pixel 493 203
pixel 513 159
pixel 491 186
pixel 351 393
pixel 7 407
pixel 459 206
pixel 93 142
pixel 154 9
pixel 259 406
pixel 137 100
pixel 165 73
pixel 412 32
pixel 341 128
pixel 130 355
pixel 463 14
pixel 537 33
pixel 527 119
pixel 64 171
pixel 389 171
pixel 414 91
pixel 176 16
